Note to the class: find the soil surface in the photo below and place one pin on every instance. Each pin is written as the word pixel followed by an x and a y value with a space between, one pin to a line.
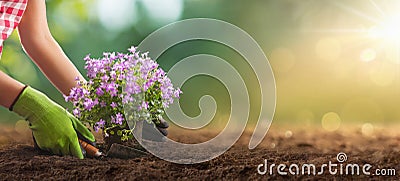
pixel 379 148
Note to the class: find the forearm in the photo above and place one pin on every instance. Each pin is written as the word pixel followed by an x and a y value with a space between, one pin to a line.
pixel 40 45
pixel 9 90
pixel 52 61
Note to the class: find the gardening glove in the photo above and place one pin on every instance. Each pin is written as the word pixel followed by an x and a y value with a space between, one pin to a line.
pixel 54 129
pixel 151 134
pixel 162 126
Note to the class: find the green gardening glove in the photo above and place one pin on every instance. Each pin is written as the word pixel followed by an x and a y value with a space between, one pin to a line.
pixel 54 129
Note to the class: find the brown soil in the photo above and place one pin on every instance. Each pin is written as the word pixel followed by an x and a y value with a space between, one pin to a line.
pixel 20 161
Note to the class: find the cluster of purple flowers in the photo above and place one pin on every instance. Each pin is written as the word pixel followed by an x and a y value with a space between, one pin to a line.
pixel 114 81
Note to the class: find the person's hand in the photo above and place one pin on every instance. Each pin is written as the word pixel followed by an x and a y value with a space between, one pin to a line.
pixel 151 134
pixel 162 126
pixel 54 129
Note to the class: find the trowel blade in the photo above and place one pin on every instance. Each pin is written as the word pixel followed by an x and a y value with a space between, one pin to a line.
pixel 124 152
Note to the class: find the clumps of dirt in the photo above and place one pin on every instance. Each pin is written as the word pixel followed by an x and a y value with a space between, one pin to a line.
pixel 20 161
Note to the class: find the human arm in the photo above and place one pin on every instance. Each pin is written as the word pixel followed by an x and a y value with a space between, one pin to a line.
pixel 9 90
pixel 54 129
pixel 41 47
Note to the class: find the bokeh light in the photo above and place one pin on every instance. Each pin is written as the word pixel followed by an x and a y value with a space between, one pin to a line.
pixel 368 55
pixel 288 134
pixel 164 11
pixel 331 121
pixel 117 16
pixel 367 129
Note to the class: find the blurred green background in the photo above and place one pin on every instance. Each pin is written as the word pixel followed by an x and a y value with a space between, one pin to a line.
pixel 335 62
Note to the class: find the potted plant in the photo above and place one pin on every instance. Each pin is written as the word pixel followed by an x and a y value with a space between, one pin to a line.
pixel 121 90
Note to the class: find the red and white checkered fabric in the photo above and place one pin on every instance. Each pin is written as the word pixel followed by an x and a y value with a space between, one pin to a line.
pixel 11 12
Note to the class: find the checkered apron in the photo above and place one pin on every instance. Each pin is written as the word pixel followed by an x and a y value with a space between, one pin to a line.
pixel 10 15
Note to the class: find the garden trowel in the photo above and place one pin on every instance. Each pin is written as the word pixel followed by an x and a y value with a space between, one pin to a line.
pixel 150 133
pixel 116 151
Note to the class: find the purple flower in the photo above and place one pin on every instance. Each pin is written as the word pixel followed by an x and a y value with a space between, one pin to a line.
pixel 117 79
pixel 120 55
pixel 83 92
pixel 103 104
pixel 91 74
pixel 132 49
pixel 105 78
pixel 112 56
pixel 76 112
pixel 88 104
pixel 132 88
pixel 98 125
pixel 99 91
pixel 103 71
pixel 87 58
pixel 113 75
pixel 159 73
pixel 112 89
pixel 113 105
pixel 144 105
pixel 127 99
pixel 101 122
pixel 177 93
pixel 148 84
pixel 66 98
pixel 118 119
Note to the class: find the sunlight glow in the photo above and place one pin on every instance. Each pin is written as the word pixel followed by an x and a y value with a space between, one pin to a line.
pixel 389 29
pixel 382 31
